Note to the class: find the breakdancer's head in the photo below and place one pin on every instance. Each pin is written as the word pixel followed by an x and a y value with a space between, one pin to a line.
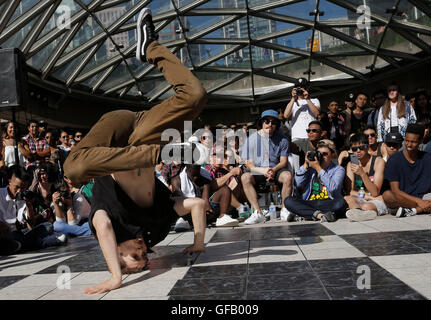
pixel 132 255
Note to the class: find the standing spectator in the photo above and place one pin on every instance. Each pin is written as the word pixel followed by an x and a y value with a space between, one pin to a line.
pixel 395 114
pixel 408 173
pixel 64 147
pixel 336 125
pixel 368 173
pixel 56 157
pixel 302 146
pixel 266 154
pixel 77 137
pixel 378 99
pixel 42 127
pixel 359 115
pixel 320 183
pixel 422 106
pixel 8 147
pixel 301 109
pixel 37 146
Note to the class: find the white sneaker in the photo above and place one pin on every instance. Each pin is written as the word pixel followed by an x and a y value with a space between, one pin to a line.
pixel 255 218
pixel 62 238
pixel 226 221
pixel 182 225
pixel 360 215
pixel 284 214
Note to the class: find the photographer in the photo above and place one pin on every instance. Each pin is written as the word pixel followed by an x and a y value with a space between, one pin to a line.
pixel 320 183
pixel 66 220
pixel 17 217
pixel 301 109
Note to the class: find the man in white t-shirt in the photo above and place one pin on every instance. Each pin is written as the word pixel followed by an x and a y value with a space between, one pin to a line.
pixel 301 109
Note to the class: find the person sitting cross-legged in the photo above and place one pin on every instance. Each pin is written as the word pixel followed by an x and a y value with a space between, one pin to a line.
pixel 364 171
pixel 408 173
pixel 320 183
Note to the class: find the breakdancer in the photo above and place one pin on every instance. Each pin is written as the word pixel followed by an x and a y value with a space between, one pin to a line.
pixel 131 211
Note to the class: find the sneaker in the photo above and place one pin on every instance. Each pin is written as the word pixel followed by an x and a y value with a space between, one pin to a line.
pixel 226 221
pixel 360 215
pixel 182 225
pixel 405 212
pixel 146 34
pixel 286 215
pixel 61 237
pixel 185 152
pixel 255 218
pixel 328 217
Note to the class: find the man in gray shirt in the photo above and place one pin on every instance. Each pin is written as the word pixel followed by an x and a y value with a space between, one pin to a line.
pixel 265 152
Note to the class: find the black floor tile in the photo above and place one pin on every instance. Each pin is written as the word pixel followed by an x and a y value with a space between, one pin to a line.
pixel 231 235
pixel 8 280
pixel 199 287
pixel 305 294
pixel 170 257
pixel 282 282
pixel 274 268
pixel 339 265
pixel 394 249
pixel 351 278
pixel 212 297
pixel 399 292
pixel 216 272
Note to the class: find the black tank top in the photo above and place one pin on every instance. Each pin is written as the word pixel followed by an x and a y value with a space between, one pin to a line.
pixel 358 183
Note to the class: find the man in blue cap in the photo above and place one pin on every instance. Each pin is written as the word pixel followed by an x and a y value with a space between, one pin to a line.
pixel 265 153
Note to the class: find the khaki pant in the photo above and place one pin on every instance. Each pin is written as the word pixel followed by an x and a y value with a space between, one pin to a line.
pixel 124 140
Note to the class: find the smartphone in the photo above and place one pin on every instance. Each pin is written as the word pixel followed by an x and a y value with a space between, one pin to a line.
pixel 354 158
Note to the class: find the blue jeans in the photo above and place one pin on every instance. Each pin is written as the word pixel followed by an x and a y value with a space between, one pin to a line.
pixel 39 237
pixel 64 227
pixel 309 209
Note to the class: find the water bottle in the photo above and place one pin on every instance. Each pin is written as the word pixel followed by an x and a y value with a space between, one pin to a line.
pixel 361 193
pixel 272 211
pixel 246 212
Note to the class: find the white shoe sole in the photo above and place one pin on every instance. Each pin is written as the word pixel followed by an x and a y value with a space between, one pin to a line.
pixel 229 224
pixel 399 212
pixel 141 16
pixel 357 215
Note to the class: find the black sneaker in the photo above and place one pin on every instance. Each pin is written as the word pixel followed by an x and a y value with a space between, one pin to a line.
pixel 405 212
pixel 146 34
pixel 328 217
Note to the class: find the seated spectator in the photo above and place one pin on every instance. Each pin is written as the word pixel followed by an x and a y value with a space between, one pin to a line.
pixel 66 219
pixel 266 154
pixel 302 146
pixel 344 156
pixel 8 149
pixel 17 216
pixel 422 105
pixel 393 143
pixel 335 124
pixel 368 173
pixel 320 185
pixel 195 181
pixel 37 147
pixel 408 173
pixel 374 148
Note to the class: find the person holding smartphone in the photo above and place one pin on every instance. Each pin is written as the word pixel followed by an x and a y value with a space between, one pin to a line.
pixel 364 171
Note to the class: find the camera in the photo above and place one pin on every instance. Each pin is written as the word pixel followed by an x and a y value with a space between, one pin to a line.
pixel 64 194
pixel 26 195
pixel 314 154
pixel 299 91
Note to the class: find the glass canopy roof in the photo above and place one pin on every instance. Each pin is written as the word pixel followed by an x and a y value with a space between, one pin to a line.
pixel 245 50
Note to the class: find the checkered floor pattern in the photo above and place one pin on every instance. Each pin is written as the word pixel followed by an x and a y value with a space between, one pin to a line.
pixel 386 258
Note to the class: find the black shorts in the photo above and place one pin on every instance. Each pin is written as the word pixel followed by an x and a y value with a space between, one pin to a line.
pixel 260 179
pixel 130 221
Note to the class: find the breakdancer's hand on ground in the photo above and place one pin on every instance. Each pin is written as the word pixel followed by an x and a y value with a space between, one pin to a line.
pixel 194 248
pixel 104 286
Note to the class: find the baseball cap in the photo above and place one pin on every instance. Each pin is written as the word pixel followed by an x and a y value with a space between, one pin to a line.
pixel 350 97
pixel 269 113
pixel 302 83
pixel 394 137
pixel 42 123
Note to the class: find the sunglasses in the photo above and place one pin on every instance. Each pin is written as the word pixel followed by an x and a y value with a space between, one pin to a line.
pixel 325 154
pixel 205 137
pixel 270 121
pixel 78 136
pixel 362 148
pixel 370 135
pixel 393 145
pixel 313 130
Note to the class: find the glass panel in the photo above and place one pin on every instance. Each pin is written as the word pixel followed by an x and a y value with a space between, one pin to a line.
pixel 197 24
pixel 333 12
pixel 300 40
pixel 133 91
pixel 224 4
pixel 295 69
pixel 211 80
pixel 59 14
pixel 64 72
pixel 396 42
pixel 136 66
pixel 18 37
pixel 110 15
pixel 92 81
pixel 237 59
pixel 119 75
pixel 324 72
pixel 151 87
pixel 260 27
pixel 38 60
pixel 329 43
pixel 207 51
pixel 298 10
pixel 241 87
pixel 88 30
pixel 22 8
pixel 264 85
pixel 101 56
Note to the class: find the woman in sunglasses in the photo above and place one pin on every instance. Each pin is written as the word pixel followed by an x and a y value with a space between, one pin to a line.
pixel 375 148
pixel 395 114
pixel 367 173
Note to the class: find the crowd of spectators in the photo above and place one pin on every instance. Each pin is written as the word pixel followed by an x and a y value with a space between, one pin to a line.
pixel 39 207
pixel 358 159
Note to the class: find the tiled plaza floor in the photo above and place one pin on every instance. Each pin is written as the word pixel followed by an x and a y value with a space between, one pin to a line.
pixel 387 258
